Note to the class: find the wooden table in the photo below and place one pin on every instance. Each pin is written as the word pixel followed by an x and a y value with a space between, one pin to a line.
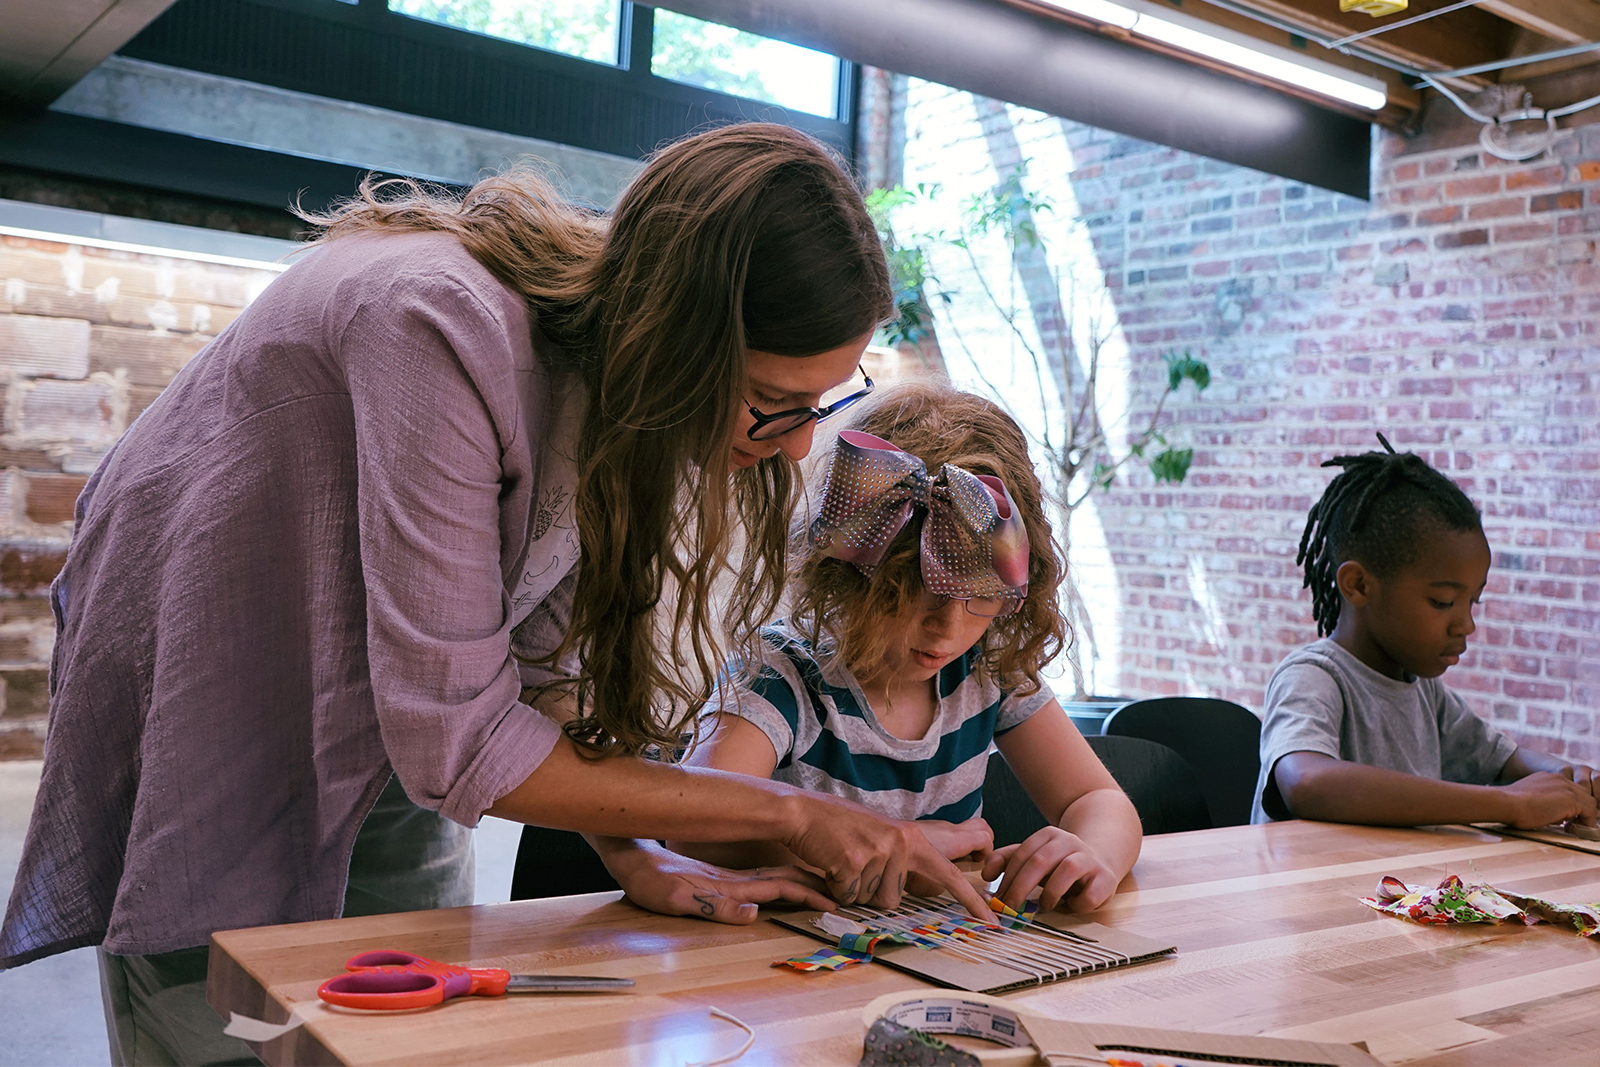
pixel 1271 940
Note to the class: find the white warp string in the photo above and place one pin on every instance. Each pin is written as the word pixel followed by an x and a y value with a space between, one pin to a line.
pixel 750 1039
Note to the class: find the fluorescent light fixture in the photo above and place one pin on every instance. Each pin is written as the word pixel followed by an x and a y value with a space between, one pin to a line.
pixel 1235 49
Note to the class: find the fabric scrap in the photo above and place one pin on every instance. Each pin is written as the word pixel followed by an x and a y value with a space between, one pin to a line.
pixel 1453 901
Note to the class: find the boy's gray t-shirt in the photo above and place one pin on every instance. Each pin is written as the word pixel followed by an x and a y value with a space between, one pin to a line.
pixel 1322 699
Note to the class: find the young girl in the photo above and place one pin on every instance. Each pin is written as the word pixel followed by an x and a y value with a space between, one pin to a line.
pixel 1358 727
pixel 925 598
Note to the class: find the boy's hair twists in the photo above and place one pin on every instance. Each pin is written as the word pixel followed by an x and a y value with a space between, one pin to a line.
pixel 1372 512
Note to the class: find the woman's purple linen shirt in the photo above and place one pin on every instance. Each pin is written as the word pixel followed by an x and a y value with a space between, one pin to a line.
pixel 289 577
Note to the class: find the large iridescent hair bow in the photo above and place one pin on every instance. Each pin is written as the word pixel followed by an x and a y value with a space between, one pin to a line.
pixel 973 540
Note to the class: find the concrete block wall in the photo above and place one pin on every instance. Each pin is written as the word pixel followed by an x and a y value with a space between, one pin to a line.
pixel 1458 312
pixel 89 336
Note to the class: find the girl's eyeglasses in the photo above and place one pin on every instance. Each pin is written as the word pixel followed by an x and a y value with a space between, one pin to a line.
pixel 986 607
pixel 781 422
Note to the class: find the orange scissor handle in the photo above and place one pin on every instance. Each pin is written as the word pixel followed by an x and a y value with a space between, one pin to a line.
pixel 388 980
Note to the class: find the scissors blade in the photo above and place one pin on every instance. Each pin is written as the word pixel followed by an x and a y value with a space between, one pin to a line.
pixel 564 983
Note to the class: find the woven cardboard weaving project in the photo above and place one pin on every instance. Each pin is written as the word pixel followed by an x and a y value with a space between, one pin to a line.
pixel 938 941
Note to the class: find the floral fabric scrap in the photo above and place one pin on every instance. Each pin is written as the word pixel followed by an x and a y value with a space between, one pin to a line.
pixel 1454 901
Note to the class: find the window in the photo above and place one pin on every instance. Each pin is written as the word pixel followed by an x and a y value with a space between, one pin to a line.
pixel 743 64
pixel 583 28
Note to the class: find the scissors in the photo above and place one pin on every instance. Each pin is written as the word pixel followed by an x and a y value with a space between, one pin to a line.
pixel 386 979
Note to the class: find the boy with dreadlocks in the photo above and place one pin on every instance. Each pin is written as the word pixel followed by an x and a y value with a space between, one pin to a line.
pixel 1358 727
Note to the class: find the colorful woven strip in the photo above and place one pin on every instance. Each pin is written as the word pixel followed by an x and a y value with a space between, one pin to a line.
pixel 1009 916
pixel 825 959
pixel 858 948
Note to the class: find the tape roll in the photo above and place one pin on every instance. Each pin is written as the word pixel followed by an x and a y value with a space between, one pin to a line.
pixel 1024 1037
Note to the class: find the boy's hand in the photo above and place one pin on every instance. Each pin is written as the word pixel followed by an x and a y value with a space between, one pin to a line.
pixel 958 840
pixel 1543 798
pixel 1057 862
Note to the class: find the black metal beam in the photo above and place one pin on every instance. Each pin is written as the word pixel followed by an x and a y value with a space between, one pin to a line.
pixel 1028 58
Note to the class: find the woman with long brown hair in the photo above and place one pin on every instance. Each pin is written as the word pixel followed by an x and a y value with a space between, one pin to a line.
pixel 463 452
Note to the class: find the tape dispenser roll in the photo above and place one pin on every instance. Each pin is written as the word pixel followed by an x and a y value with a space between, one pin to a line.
pixel 1024 1037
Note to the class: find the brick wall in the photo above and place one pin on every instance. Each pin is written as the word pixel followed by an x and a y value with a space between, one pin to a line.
pixel 1458 312
pixel 88 337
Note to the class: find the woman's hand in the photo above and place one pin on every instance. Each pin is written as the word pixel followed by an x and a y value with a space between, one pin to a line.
pixel 868 858
pixel 665 882
pixel 958 840
pixel 1058 863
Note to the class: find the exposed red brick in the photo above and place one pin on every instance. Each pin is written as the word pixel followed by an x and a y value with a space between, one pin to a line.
pixel 51 497
pixel 1464 188
pixel 1461 239
pixel 28 570
pixel 1531 179
pixel 1568 200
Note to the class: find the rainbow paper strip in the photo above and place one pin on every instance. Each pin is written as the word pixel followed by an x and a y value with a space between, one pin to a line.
pixel 1009 916
pixel 825 959
pixel 1454 901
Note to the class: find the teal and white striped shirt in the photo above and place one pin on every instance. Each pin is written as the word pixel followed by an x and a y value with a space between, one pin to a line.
pixel 828 740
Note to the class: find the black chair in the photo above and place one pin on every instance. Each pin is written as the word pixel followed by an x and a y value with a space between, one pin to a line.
pixel 1161 785
pixel 1220 740
pixel 557 863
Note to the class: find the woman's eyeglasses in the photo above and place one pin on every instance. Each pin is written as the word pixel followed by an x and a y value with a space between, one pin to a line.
pixel 781 422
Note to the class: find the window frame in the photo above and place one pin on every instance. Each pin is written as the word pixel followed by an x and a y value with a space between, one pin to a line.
pixel 622 108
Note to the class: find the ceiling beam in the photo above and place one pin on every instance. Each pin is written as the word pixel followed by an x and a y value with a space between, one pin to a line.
pixel 1568 21
pixel 49 44
pixel 1445 43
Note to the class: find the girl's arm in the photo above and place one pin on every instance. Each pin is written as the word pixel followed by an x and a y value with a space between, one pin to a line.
pixel 1095 836
pixel 736 744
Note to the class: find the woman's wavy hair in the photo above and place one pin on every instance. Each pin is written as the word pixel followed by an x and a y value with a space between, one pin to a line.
pixel 835 605
pixel 750 236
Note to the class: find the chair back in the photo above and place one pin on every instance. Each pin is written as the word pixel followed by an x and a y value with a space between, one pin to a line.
pixel 1220 740
pixel 1158 781
pixel 557 863
pixel 1007 807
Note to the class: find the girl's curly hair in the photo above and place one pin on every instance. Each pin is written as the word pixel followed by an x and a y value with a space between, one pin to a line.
pixel 834 604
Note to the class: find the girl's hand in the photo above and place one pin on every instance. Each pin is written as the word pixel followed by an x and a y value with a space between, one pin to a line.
pixel 958 840
pixel 1059 864
pixel 662 881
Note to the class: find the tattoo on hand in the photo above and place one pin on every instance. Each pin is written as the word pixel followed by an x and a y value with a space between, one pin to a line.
pixel 707 908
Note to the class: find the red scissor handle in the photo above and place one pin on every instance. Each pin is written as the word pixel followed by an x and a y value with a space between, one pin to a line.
pixel 395 980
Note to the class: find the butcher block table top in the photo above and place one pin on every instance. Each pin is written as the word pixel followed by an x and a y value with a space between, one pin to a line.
pixel 1271 940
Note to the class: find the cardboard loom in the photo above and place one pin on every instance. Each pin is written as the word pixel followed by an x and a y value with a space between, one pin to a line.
pixel 1102 947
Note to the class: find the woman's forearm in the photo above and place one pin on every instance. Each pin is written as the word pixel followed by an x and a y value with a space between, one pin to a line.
pixel 1106 821
pixel 736 855
pixel 624 797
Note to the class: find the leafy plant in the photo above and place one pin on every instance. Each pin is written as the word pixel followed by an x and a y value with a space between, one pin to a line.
pixel 1061 335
